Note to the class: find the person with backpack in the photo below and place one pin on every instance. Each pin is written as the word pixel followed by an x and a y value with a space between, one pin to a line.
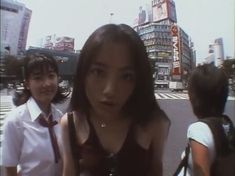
pixel 210 149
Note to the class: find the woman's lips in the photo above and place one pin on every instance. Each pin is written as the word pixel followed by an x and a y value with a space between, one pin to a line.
pixel 108 103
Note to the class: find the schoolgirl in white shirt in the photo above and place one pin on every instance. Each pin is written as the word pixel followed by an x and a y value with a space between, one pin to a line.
pixel 31 133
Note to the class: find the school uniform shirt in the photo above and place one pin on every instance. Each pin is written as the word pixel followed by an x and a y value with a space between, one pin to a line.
pixel 27 144
pixel 200 132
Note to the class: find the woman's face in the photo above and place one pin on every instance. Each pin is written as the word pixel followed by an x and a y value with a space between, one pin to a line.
pixel 110 79
pixel 43 85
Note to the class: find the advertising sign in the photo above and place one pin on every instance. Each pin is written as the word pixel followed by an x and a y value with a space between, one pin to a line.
pixel 64 44
pixel 155 2
pixel 176 64
pixel 49 42
pixel 160 12
pixel 144 14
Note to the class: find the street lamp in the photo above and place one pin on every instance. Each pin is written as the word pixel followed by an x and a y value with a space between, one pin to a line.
pixel 233 78
pixel 111 17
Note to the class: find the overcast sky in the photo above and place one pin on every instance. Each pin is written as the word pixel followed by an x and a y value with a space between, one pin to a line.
pixel 202 20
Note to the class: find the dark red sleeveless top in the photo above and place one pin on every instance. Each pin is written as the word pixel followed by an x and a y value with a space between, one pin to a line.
pixel 91 159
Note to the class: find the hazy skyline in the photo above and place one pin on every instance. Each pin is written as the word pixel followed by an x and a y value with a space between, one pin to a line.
pixel 202 20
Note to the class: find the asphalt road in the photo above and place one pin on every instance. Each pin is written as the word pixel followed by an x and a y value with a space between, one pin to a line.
pixel 181 115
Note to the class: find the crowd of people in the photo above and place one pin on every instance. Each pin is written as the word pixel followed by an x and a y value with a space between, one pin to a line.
pixel 114 125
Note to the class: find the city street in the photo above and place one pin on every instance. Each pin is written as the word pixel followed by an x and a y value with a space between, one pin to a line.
pixel 176 106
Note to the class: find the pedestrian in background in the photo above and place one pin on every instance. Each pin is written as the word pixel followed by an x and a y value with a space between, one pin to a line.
pixel 208 92
pixel 115 126
pixel 31 131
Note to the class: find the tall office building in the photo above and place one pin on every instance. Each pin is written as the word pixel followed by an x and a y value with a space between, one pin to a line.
pixel 169 47
pixel 15 19
pixel 216 53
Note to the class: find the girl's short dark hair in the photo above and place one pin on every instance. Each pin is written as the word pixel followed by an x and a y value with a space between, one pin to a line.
pixel 142 102
pixel 38 61
pixel 208 90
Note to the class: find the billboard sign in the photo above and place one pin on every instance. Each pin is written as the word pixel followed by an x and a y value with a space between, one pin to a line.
pixel 144 15
pixel 64 44
pixel 49 41
pixel 176 64
pixel 160 11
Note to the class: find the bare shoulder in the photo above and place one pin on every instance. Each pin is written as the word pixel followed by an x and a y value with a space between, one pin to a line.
pixel 80 124
pixel 64 121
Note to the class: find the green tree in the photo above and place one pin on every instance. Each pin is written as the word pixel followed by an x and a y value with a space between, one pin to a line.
pixel 13 66
pixel 229 67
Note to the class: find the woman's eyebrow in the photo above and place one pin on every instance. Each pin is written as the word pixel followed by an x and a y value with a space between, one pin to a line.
pixel 127 68
pixel 36 72
pixel 98 64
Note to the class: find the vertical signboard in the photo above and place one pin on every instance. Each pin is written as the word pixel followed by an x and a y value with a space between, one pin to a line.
pixel 172 11
pixel 176 64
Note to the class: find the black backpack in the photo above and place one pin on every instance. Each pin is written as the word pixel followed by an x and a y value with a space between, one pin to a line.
pixel 224 137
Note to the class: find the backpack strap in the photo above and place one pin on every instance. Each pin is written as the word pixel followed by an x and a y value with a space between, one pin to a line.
pixel 221 141
pixel 183 163
pixel 224 143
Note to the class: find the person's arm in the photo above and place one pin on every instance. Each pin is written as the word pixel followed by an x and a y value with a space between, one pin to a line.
pixel 202 148
pixel 200 157
pixel 68 164
pixel 11 144
pixel 10 171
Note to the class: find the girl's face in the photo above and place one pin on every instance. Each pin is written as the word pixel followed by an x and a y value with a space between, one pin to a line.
pixel 43 85
pixel 110 80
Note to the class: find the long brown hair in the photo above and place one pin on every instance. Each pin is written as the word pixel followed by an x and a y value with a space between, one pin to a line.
pixel 142 102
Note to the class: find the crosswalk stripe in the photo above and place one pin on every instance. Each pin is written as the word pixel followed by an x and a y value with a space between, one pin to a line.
pixel 157 96
pixel 163 96
pixel 231 98
pixel 181 96
pixel 170 96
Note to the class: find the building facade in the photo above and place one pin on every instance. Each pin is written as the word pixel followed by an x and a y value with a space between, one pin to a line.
pixel 169 47
pixel 15 19
pixel 216 53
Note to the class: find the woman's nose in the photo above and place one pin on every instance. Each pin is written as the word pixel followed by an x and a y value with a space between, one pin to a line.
pixel 110 87
pixel 46 81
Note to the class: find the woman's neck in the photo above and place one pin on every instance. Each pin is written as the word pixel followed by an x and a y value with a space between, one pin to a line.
pixel 108 121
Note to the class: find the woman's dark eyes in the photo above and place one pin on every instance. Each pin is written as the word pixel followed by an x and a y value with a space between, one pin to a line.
pixel 128 76
pixel 97 71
